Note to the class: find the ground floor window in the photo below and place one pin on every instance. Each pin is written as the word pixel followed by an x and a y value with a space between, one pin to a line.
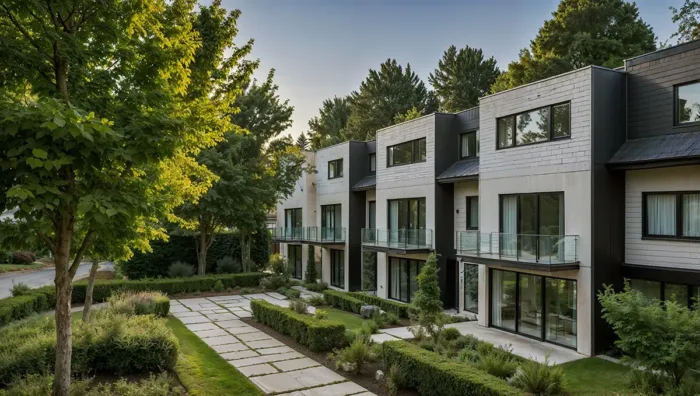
pixel 534 306
pixel 338 268
pixel 471 288
pixel 402 278
pixel 665 291
pixel 294 260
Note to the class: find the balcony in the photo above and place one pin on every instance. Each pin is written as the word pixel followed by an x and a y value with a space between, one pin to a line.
pixel 324 235
pixel 402 240
pixel 287 234
pixel 546 252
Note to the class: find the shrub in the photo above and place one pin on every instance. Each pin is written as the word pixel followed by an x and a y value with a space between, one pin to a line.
pixel 394 379
pixel 316 301
pixel 299 306
pixel 282 290
pixel 321 314
pixel 247 290
pixel 540 379
pixel 318 335
pixel 310 275
pixel 435 375
pixel 20 289
pixel 343 301
pixel 369 271
pixel 109 342
pixel 370 327
pixel 179 269
pixel 450 334
pixel 160 385
pixel 23 257
pixel 277 264
pixel 392 318
pixel 468 356
pixel 218 286
pixel 467 341
pixel 274 282
pixel 227 265
pixel 355 356
pixel 292 293
pixel 379 319
pixel 646 382
pixel 38 300
pixel 317 287
pixel 386 305
pixel 140 303
pixel 499 364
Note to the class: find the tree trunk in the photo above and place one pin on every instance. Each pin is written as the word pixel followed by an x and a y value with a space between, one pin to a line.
pixel 202 253
pixel 64 291
pixel 243 263
pixel 247 253
pixel 88 292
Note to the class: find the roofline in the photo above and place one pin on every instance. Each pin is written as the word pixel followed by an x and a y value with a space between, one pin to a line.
pixel 449 180
pixel 407 121
pixel 658 54
pixel 536 82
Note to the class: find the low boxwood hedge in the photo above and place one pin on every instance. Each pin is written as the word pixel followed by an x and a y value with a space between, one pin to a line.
pixel 387 305
pixel 318 334
pixel 43 299
pixel 342 300
pixel 434 375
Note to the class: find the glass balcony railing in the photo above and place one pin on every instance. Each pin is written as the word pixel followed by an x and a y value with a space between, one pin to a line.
pixel 406 239
pixel 324 234
pixel 287 233
pixel 526 248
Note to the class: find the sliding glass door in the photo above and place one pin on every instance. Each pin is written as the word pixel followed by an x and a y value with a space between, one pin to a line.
pixel 402 278
pixel 294 260
pixel 503 299
pixel 406 220
pixel 471 288
pixel 337 268
pixel 331 222
pixel 532 226
pixel 292 223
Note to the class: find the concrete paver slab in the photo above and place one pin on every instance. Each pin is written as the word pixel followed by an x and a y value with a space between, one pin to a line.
pixel 277 295
pixel 230 348
pixel 194 319
pixel 202 326
pixel 258 369
pixel 272 351
pixel 239 354
pixel 244 314
pixel 265 359
pixel 221 316
pixel 264 344
pixel 210 333
pixel 399 332
pixel 242 330
pixel 253 336
pixel 185 314
pixel 296 364
pixel 341 389
pixel 220 340
pixel 227 324
pixel 380 338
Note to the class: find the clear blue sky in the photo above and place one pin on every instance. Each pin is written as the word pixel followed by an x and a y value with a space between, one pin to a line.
pixel 322 48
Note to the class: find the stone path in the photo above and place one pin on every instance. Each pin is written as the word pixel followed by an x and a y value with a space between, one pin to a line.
pixel 274 367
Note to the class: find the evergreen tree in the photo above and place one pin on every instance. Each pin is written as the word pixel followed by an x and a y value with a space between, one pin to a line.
pixel 427 299
pixel 462 77
pixel 302 142
pixel 688 20
pixel 581 33
pixel 329 127
pixel 409 115
pixel 386 92
pixel 310 276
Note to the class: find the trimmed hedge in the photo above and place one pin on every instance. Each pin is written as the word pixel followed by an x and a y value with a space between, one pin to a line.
pixel 318 334
pixel 434 375
pixel 342 300
pixel 387 305
pixel 43 299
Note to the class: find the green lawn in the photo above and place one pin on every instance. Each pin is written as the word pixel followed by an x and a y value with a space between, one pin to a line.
pixel 595 376
pixel 19 267
pixel 350 320
pixel 203 372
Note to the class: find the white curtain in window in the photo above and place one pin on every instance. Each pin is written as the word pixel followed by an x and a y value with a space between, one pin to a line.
pixel 509 238
pixel 496 297
pixel 465 145
pixel 691 215
pixel 395 269
pixel 661 214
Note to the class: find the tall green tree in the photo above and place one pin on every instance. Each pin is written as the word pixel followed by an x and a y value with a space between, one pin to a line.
pixel 302 141
pixel 100 121
pixel 462 77
pixel 330 126
pixel 427 298
pixel 688 20
pixel 386 92
pixel 581 33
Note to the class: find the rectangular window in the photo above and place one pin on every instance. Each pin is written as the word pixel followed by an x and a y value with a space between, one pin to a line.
pixel 471 288
pixel 687 103
pixel 335 168
pixel 671 215
pixel 292 223
pixel 684 295
pixel 294 260
pixel 532 226
pixel 337 268
pixel 534 126
pixel 372 163
pixel 469 145
pixel 402 278
pixel 472 213
pixel 372 217
pixel 406 153
pixel 408 213
pixel 331 222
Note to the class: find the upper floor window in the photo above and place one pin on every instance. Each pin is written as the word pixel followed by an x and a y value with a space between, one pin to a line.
pixel 687 103
pixel 534 126
pixel 469 144
pixel 473 213
pixel 292 218
pixel 671 215
pixel 406 153
pixel 335 168
pixel 372 163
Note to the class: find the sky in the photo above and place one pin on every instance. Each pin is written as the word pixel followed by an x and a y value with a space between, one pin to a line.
pixel 325 48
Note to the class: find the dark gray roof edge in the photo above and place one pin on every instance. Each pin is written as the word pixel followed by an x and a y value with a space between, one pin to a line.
pixel 663 53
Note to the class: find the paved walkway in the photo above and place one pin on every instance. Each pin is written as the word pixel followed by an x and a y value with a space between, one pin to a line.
pixel 272 366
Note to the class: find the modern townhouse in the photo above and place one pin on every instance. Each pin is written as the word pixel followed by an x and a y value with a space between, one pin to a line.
pixel 534 201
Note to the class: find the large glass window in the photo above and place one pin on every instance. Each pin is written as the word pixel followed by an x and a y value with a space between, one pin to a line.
pixel 331 221
pixel 402 278
pixel 671 215
pixel 685 295
pixel 469 145
pixel 650 289
pixel 530 313
pixel 503 284
pixel 292 223
pixel 407 220
pixel 406 153
pixel 471 288
pixel 337 268
pixel 372 215
pixel 539 125
pixel 294 260
pixel 560 311
pixel 472 213
pixel 532 226
pixel 372 163
pixel 687 102
pixel 335 168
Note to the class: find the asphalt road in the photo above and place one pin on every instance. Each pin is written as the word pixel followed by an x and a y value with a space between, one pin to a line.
pixel 43 278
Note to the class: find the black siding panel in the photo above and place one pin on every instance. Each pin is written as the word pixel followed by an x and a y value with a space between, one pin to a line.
pixel 359 168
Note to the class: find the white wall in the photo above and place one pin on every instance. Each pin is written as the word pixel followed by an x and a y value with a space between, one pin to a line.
pixel 667 254
pixel 462 190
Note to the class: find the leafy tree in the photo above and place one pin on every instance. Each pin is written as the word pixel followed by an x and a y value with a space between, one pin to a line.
pixel 409 115
pixel 311 275
pixel 302 142
pixel 100 118
pixel 688 20
pixel 462 77
pixel 427 299
pixel 659 336
pixel 369 271
pixel 386 92
pixel 581 33
pixel 329 127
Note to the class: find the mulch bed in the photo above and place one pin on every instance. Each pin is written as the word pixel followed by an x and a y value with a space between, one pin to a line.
pixel 366 379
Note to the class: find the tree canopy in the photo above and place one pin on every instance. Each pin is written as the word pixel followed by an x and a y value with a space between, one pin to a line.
pixel 581 33
pixel 462 77
pixel 329 127
pixel 688 20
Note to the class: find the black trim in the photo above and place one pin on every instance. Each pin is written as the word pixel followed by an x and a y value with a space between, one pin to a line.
pixel 408 212
pixel 475 154
pixel 297 272
pixel 382 249
pixel 670 275
pixel 338 166
pixel 372 155
pixel 676 122
pixel 415 156
pixel 519 264
pixel 550 129
pixel 469 200
pixel 464 273
pixel 334 263
pixel 407 262
pixel 679 217
pixel 655 163
pixel 295 216
pixel 371 204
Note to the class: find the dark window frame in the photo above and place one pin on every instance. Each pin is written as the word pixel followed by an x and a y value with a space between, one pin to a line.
pixel 294 217
pixel 338 166
pixel 676 122
pixel 662 285
pixel 469 211
pixel 550 131
pixel 679 217
pixel 371 156
pixel 476 144
pixel 537 215
pixel 464 273
pixel 370 204
pixel 388 212
pixel 408 261
pixel 293 272
pixel 335 219
pixel 334 263
pixel 415 154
